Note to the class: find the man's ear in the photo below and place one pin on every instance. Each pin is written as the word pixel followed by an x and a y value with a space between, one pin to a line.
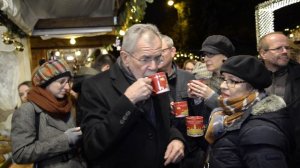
pixel 173 50
pixel 262 53
pixel 125 58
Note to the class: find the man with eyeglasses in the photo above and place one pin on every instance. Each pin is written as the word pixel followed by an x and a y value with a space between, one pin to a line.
pixel 274 50
pixel 123 124
pixel 178 80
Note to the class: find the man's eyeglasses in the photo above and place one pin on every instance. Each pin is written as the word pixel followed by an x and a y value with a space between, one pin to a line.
pixel 209 55
pixel 166 49
pixel 147 59
pixel 231 83
pixel 279 49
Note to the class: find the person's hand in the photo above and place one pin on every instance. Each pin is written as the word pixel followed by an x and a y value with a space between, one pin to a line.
pixel 5 145
pixel 198 89
pixel 139 90
pixel 174 152
pixel 73 134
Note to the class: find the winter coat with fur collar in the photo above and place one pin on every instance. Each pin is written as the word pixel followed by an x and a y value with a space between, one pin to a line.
pixel 260 139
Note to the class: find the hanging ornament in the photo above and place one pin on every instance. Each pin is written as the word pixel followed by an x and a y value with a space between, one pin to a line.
pixel 19 46
pixel 7 38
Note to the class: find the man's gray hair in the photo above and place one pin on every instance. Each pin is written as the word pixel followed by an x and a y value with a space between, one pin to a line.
pixel 135 32
pixel 168 40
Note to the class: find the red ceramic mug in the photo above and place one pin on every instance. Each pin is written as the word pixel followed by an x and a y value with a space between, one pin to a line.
pixel 194 126
pixel 159 83
pixel 180 109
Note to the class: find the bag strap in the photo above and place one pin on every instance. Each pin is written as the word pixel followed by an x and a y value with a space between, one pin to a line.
pixel 37 128
pixel 37 121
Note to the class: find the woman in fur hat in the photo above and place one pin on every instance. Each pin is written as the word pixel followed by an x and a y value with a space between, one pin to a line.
pixel 43 129
pixel 249 129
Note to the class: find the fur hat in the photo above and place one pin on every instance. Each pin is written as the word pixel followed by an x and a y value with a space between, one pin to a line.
pixel 49 72
pixel 250 69
pixel 218 44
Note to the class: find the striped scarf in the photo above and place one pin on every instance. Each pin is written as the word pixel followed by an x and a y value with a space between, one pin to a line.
pixel 239 104
pixel 232 110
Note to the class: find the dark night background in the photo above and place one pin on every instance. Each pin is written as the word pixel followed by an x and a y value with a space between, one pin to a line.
pixel 232 18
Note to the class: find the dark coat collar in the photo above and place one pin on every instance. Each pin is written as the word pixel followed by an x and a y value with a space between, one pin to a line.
pixel 119 80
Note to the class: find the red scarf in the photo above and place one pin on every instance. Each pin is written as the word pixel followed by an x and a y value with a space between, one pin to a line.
pixel 48 102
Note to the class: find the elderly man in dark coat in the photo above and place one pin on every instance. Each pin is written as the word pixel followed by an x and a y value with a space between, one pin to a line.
pixel 123 124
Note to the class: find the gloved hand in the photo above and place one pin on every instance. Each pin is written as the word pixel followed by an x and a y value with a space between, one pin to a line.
pixel 74 134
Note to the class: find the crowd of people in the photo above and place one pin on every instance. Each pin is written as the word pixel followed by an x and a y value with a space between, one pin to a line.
pixel 250 107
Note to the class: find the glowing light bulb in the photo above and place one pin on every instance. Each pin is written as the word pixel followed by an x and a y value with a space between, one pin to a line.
pixel 78 53
pixel 170 2
pixel 57 53
pixel 122 32
pixel 72 41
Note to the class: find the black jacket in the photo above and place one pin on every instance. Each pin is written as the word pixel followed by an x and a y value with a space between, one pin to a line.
pixel 195 146
pixel 292 91
pixel 292 98
pixel 117 133
pixel 262 138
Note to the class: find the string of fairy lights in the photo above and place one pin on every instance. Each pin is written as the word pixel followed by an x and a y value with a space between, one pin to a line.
pixel 135 10
pixel 293 33
pixel 264 16
pixel 186 55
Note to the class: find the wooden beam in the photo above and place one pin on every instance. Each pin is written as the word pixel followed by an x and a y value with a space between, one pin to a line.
pixel 82 42
pixel 79 22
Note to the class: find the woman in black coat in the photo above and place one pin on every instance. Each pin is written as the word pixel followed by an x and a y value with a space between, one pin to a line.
pixel 250 129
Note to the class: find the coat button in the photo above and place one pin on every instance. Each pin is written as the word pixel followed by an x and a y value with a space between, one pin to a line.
pixel 127 113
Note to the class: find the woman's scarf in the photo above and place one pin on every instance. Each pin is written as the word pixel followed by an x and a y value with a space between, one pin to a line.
pixel 48 102
pixel 230 111
pixel 235 105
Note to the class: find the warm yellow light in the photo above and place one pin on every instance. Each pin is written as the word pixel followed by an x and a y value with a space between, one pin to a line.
pixel 89 59
pixel 72 41
pixel 170 2
pixel 122 32
pixel 104 51
pixel 57 53
pixel 70 58
pixel 78 53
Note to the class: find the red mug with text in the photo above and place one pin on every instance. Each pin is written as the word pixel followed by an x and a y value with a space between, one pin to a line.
pixel 194 126
pixel 180 109
pixel 159 83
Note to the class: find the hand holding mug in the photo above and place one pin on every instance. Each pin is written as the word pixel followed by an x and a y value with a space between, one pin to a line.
pixel 139 90
pixel 197 88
